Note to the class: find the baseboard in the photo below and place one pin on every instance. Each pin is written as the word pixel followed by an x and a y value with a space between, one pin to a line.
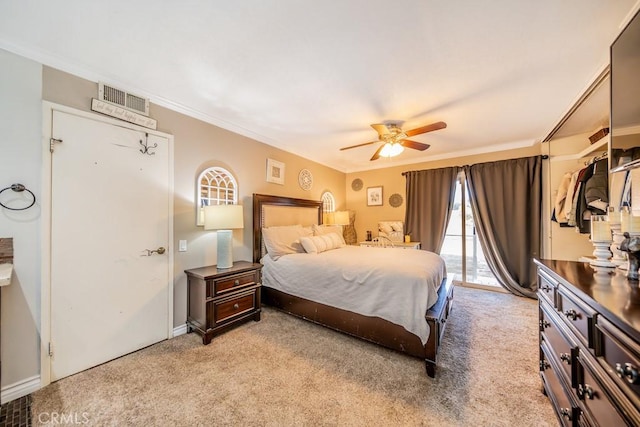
pixel 20 388
pixel 180 330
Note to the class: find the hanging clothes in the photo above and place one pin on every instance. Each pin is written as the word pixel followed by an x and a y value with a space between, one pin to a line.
pixel 560 207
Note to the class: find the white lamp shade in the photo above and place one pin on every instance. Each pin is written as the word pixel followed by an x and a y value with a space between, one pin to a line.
pixel 341 218
pixel 223 217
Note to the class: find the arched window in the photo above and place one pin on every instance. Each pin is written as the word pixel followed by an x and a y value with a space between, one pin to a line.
pixel 216 186
pixel 328 202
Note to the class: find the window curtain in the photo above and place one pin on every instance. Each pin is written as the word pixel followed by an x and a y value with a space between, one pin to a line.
pixel 506 199
pixel 430 195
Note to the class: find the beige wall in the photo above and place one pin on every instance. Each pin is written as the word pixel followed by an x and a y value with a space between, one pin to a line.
pixel 392 181
pixel 20 162
pixel 198 145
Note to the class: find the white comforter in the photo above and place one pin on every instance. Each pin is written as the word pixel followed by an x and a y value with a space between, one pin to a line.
pixel 398 285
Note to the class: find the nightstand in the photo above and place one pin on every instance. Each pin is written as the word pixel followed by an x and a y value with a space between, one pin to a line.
pixel 221 298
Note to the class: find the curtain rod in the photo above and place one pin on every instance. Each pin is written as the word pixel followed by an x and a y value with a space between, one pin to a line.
pixel 543 156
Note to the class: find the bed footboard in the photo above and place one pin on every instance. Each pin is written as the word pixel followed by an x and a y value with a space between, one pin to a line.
pixel 437 317
pixel 372 329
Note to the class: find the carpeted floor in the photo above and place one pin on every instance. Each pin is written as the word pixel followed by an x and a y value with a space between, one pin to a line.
pixel 285 371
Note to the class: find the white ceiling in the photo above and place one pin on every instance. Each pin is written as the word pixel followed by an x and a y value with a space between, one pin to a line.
pixel 311 76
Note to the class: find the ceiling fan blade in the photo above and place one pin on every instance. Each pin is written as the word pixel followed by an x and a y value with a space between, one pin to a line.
pixel 381 129
pixel 414 144
pixel 376 155
pixel 427 128
pixel 359 145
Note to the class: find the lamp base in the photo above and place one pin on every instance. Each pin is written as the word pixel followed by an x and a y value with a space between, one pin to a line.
pixel 225 249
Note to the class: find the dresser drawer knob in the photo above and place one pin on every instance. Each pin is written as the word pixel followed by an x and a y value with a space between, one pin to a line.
pixel 236 282
pixel 565 413
pixel 572 314
pixel 236 306
pixel 585 391
pixel 545 288
pixel 628 372
pixel 544 324
pixel 566 358
pixel 544 365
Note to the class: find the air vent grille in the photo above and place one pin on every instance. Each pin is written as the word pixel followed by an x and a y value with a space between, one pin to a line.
pixel 123 99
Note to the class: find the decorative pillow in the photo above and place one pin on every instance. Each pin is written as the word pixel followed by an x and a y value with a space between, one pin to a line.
pixel 324 242
pixel 319 230
pixel 284 240
pixel 397 226
pixel 385 227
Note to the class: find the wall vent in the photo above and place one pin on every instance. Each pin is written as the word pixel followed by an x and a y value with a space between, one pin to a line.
pixel 123 99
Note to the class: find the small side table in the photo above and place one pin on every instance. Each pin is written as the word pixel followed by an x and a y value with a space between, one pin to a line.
pixel 221 298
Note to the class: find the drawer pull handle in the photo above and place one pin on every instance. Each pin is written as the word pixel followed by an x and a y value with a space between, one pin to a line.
pixel 236 306
pixel 585 391
pixel 572 314
pixel 566 358
pixel 544 365
pixel 566 413
pixel 544 324
pixel 628 372
pixel 545 288
pixel 236 282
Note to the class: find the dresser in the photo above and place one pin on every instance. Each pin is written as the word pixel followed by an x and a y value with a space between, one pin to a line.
pixel 589 344
pixel 221 298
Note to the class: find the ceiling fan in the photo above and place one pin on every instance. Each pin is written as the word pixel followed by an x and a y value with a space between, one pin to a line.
pixel 395 139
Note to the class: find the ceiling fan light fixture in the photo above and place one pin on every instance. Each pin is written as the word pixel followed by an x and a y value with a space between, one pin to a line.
pixel 391 149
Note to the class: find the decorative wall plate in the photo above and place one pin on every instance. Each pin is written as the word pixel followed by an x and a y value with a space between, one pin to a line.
pixel 305 179
pixel 356 184
pixel 395 200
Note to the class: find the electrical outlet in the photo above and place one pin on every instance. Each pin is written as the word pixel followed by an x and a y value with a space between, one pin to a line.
pixel 182 246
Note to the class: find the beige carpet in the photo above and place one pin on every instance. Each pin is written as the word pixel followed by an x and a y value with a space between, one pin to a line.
pixel 285 371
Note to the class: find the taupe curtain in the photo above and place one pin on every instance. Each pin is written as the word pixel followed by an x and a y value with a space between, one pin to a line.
pixel 430 195
pixel 506 198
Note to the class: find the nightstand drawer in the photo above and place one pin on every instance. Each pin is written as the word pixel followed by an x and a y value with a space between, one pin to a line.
pixel 228 309
pixel 233 283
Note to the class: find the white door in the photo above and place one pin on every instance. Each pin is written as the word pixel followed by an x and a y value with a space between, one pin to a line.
pixel 110 202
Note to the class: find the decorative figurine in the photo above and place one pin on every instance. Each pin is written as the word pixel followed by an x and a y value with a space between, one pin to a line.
pixel 631 245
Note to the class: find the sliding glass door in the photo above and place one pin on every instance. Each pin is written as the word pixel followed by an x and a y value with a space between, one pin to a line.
pixel 461 249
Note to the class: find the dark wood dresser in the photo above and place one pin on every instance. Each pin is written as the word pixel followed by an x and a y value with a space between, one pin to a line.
pixel 221 298
pixel 589 351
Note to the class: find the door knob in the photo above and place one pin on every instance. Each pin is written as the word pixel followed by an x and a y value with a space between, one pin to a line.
pixel 158 251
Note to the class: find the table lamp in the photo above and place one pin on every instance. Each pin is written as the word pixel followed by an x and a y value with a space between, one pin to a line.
pixel 224 218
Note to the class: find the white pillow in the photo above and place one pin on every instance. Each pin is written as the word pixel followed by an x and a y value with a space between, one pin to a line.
pixel 324 242
pixel 284 240
pixel 319 230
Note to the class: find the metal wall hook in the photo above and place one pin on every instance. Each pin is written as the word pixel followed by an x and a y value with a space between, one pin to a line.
pixel 18 188
pixel 145 146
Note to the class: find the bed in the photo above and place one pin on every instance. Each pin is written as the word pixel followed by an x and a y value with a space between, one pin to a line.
pixel 418 284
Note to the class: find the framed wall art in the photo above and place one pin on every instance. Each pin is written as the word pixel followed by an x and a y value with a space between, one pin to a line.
pixel 374 196
pixel 275 171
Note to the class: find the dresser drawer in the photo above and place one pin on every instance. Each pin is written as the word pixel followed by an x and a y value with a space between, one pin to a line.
pixel 577 315
pixel 565 410
pixel 562 348
pixel 620 357
pixel 591 393
pixel 230 308
pixel 547 287
pixel 232 283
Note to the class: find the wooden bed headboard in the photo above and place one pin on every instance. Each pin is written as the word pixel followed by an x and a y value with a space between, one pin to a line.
pixel 269 211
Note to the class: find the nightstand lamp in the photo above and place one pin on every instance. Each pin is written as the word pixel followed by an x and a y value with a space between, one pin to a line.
pixel 336 218
pixel 224 218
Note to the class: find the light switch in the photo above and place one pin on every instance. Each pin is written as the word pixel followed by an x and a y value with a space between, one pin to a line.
pixel 182 246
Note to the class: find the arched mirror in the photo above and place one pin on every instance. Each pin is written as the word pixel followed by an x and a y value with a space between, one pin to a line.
pixel 215 186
